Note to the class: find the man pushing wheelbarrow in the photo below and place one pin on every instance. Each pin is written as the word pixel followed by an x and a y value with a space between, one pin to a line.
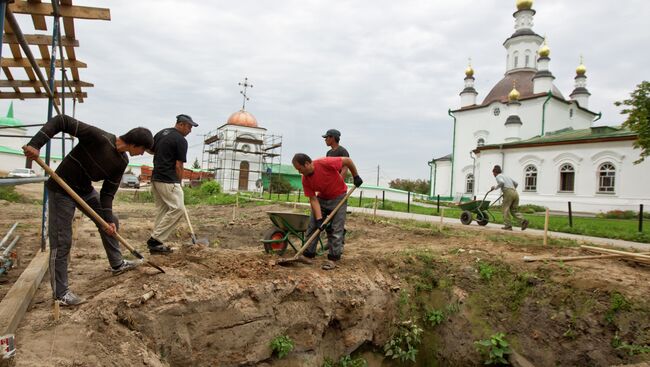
pixel 510 204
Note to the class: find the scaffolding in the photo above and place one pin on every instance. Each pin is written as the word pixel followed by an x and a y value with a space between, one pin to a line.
pixel 238 159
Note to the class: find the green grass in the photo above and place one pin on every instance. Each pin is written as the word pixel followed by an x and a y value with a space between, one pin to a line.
pixel 8 193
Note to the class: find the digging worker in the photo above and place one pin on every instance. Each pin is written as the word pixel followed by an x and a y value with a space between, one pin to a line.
pixel 510 204
pixel 98 156
pixel 170 152
pixel 324 185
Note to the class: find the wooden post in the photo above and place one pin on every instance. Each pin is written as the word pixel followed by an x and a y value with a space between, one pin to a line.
pixel 374 213
pixel 546 228
pixel 438 205
pixel 288 196
pixel 360 197
pixel 442 216
pixel 641 218
pixel 299 191
pixel 570 216
pixel 383 199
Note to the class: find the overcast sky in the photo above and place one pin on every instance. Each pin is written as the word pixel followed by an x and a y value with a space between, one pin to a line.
pixel 383 72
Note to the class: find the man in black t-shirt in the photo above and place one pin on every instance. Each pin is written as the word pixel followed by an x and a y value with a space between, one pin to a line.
pixel 170 152
pixel 332 138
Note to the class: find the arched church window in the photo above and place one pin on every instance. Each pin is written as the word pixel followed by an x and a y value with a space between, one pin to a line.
pixel 469 184
pixel 527 59
pixel 567 178
pixel 480 142
pixel 516 59
pixel 606 178
pixel 496 111
pixel 530 178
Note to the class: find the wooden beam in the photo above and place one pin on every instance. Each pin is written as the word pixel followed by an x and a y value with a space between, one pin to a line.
pixel 10 77
pixel 40 39
pixel 68 11
pixel 16 301
pixel 34 83
pixel 39 20
pixel 20 63
pixel 21 95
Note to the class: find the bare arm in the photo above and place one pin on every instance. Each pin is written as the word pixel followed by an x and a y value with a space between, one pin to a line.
pixel 348 164
pixel 315 207
pixel 179 170
pixel 344 172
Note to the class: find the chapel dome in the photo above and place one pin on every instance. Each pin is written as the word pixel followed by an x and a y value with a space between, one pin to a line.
pixel 469 72
pixel 242 118
pixel 524 81
pixel 581 69
pixel 524 4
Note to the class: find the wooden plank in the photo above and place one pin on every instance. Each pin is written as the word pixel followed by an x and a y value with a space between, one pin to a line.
pixel 10 77
pixel 34 83
pixel 618 252
pixel 40 39
pixel 574 258
pixel 16 301
pixel 20 63
pixel 39 20
pixel 14 95
pixel 79 12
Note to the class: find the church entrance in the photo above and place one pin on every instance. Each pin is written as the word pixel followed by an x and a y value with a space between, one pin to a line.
pixel 243 176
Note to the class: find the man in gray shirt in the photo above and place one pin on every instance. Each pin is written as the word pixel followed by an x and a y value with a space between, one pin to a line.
pixel 510 204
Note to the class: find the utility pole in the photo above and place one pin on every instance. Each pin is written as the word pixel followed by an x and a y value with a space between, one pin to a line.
pixel 377 175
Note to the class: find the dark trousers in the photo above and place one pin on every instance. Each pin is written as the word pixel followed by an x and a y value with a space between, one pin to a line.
pixel 335 231
pixel 61 213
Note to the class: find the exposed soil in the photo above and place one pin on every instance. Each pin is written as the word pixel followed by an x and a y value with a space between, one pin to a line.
pixel 222 305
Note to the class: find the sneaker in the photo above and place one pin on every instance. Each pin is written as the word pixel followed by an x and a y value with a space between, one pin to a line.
pixel 125 266
pixel 524 224
pixel 507 228
pixel 70 299
pixel 160 250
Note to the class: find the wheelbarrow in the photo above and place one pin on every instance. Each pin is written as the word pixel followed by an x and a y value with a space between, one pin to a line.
pixel 478 210
pixel 286 226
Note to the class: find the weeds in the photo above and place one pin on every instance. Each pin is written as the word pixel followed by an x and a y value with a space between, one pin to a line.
pixel 281 345
pixel 495 349
pixel 434 317
pixel 404 342
pixel 631 349
pixel 618 303
pixel 486 271
pixel 346 361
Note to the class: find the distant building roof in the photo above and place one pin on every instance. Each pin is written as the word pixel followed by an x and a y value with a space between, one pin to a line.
pixel 523 79
pixel 9 120
pixel 285 169
pixel 8 150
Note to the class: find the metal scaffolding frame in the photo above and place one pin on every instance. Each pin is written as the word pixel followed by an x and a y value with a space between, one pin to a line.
pixel 223 154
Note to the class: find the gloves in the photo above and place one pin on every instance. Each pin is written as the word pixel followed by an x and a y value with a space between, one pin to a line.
pixel 319 224
pixel 357 181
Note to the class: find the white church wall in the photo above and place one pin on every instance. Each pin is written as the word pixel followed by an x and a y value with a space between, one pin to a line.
pixel 586 160
pixel 442 178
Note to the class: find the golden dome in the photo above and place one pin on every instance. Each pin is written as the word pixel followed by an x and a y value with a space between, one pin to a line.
pixel 514 94
pixel 469 72
pixel 524 4
pixel 242 118
pixel 544 51
pixel 581 70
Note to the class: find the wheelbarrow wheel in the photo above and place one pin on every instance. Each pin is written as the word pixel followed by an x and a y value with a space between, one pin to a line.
pixel 482 222
pixel 275 247
pixel 466 217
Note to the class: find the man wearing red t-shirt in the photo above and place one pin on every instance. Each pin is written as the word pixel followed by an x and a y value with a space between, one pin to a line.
pixel 324 186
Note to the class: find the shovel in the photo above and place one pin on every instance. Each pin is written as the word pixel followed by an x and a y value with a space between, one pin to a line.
pixel 91 212
pixel 195 241
pixel 317 232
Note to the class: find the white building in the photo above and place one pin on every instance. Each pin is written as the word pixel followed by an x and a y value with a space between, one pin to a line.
pixel 541 139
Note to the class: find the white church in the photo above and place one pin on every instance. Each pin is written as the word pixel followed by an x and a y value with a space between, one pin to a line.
pixel 546 142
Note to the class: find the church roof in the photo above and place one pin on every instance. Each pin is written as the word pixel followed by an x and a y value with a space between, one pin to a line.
pixel 242 118
pixel 443 158
pixel 10 120
pixel 524 81
pixel 568 136
pixel 285 169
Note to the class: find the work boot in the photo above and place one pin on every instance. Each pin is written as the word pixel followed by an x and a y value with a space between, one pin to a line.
pixel 524 224
pixel 125 266
pixel 507 228
pixel 70 299
pixel 157 248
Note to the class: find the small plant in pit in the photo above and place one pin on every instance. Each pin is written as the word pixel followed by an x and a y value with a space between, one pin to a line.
pixel 631 349
pixel 434 317
pixel 346 361
pixel 404 342
pixel 496 349
pixel 618 303
pixel 281 345
pixel 486 271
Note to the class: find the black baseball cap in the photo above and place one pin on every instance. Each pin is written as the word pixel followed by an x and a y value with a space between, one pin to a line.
pixel 333 133
pixel 186 119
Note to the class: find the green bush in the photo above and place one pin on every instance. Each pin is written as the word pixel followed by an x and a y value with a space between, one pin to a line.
pixel 210 188
pixel 619 214
pixel 531 208
pixel 280 185
pixel 495 349
pixel 281 345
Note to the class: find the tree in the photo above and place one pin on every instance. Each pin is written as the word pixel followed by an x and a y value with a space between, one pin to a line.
pixel 638 111
pixel 280 185
pixel 196 164
pixel 420 186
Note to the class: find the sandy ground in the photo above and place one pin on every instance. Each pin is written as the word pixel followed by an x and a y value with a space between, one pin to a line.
pixel 110 330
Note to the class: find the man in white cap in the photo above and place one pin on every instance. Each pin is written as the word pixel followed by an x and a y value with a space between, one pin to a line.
pixel 170 152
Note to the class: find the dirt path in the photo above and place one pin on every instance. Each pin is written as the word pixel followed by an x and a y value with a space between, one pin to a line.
pixel 221 305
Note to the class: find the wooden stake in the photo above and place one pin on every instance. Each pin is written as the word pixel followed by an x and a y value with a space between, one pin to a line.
pixel 56 309
pixel 546 228
pixel 442 216
pixel 374 213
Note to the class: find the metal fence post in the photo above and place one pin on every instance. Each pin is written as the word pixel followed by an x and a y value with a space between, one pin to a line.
pixel 299 191
pixel 438 205
pixel 641 218
pixel 408 202
pixel 360 197
pixel 383 198
pixel 570 216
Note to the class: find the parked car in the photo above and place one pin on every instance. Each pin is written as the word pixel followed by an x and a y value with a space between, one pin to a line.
pixel 130 180
pixel 22 172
